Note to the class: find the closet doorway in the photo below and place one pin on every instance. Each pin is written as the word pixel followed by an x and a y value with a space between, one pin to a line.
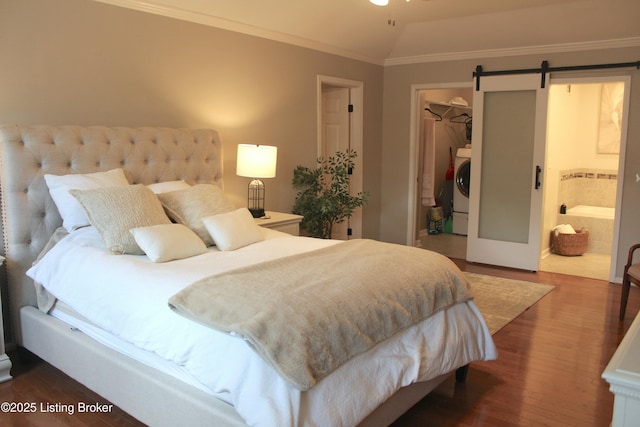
pixel 442 126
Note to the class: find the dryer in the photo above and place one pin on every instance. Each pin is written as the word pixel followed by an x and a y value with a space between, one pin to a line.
pixel 461 185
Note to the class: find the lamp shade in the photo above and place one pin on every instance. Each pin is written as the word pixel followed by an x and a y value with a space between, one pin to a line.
pixel 380 2
pixel 256 161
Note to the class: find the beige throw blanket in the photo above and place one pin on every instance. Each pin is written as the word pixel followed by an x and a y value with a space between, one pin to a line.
pixel 307 314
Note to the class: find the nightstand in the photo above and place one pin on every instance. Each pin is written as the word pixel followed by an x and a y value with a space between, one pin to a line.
pixel 287 223
pixel 5 362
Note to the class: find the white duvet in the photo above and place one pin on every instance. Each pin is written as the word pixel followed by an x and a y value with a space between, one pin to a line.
pixel 126 295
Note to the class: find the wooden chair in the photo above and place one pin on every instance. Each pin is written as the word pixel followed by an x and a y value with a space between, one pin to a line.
pixel 631 275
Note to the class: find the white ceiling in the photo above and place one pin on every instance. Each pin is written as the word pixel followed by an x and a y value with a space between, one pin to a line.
pixel 424 30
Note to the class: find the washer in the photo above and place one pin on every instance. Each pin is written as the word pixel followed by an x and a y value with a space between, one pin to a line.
pixel 461 185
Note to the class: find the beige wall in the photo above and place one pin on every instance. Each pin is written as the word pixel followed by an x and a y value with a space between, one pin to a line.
pixel 83 62
pixel 88 63
pixel 396 126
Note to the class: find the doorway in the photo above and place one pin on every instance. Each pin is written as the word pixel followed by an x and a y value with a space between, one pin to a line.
pixel 586 137
pixel 340 127
pixel 447 111
pixel 455 245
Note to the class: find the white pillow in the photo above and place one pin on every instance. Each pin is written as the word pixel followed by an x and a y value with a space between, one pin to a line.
pixel 165 187
pixel 233 230
pixel 73 216
pixel 167 242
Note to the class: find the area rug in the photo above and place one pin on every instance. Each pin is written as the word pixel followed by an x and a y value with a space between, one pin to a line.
pixel 502 300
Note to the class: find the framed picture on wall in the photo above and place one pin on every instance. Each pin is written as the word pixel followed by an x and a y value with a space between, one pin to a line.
pixel 610 125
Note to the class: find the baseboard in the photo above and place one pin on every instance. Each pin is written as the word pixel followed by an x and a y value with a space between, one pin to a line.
pixel 545 253
pixel 5 368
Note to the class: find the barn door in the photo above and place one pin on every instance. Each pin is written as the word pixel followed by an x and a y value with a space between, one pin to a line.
pixel 505 200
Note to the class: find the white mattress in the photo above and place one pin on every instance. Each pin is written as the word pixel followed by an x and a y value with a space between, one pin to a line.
pixel 124 301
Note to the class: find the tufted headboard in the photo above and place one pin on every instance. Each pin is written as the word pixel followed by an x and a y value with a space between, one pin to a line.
pixel 29 215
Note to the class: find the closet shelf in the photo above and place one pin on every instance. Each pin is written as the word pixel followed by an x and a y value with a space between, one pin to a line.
pixel 449 105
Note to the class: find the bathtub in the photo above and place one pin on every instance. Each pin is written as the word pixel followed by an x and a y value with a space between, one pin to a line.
pixel 592 211
pixel 598 220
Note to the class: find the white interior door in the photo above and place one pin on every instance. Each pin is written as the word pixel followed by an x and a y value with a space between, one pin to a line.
pixel 335 106
pixel 336 134
pixel 340 126
pixel 505 200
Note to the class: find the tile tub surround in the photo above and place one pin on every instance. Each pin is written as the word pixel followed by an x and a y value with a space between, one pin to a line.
pixel 590 187
pixel 600 231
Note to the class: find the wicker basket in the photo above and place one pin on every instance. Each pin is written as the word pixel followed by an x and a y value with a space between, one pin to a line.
pixel 570 244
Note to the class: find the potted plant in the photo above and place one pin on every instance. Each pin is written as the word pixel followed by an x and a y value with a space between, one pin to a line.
pixel 323 197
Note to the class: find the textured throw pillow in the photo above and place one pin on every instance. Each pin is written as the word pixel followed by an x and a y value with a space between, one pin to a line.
pixel 167 242
pixel 113 211
pixel 233 230
pixel 73 216
pixel 165 187
pixel 189 206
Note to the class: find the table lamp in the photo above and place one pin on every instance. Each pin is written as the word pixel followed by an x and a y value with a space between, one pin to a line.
pixel 256 161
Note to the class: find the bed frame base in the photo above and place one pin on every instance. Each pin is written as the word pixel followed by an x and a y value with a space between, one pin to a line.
pixel 149 395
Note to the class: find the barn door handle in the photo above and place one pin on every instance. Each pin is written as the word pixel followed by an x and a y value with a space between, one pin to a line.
pixel 538 170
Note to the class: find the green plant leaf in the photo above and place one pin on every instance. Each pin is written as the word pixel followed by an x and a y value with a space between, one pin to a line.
pixel 323 197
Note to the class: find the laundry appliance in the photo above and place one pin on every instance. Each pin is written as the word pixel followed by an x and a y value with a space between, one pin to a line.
pixel 462 178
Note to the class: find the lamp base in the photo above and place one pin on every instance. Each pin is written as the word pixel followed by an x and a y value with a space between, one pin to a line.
pixel 256 212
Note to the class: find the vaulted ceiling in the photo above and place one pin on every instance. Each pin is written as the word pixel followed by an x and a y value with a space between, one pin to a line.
pixel 417 30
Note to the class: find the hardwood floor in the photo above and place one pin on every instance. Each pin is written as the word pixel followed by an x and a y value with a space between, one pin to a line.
pixel 548 372
pixel 550 360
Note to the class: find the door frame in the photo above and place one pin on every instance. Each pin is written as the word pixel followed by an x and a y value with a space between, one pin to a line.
pixel 414 151
pixel 356 132
pixel 621 156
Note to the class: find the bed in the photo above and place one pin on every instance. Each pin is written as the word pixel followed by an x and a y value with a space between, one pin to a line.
pixel 163 385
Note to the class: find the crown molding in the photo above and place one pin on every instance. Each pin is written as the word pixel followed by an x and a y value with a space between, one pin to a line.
pixel 226 24
pixel 517 51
